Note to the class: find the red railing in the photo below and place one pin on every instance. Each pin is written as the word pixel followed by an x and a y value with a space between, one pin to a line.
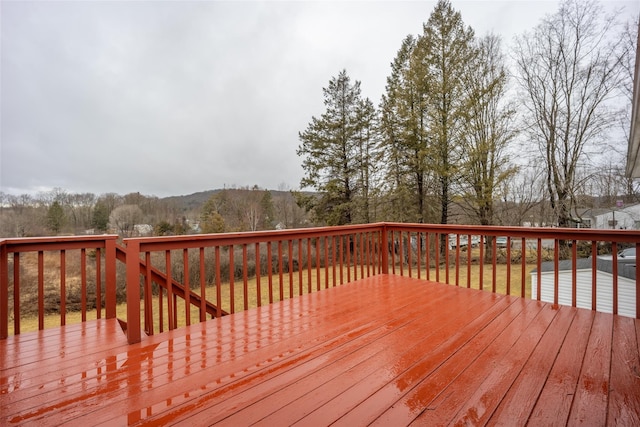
pixel 283 264
pixel 97 290
pixel 174 281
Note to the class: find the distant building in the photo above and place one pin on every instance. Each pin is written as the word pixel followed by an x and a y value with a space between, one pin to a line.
pixel 624 218
pixel 142 230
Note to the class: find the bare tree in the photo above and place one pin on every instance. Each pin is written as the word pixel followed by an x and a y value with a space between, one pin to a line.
pixel 489 130
pixel 570 69
pixel 124 218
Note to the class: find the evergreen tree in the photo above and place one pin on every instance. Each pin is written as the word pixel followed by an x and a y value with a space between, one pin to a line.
pixel 100 216
pixel 404 136
pixel 55 217
pixel 441 56
pixel 330 148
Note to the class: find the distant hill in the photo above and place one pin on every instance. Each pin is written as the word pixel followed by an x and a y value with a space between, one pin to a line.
pixel 195 201
pixel 191 201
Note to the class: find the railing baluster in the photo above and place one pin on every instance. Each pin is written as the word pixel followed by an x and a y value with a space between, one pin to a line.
pixel 219 281
pixel 148 296
pixel 187 286
pixel 290 266
pixel 258 274
pixel 574 273
pixel 300 267
pixel 469 249
pixel 325 246
pixel 83 281
pixel 594 274
pixel 309 268
pixel 362 254
pixel 4 292
pixel 419 252
pixel 203 285
pixel 494 248
pixel 409 250
pixel 232 276
pixel 245 278
pixel 523 268
pixel 614 251
pixel 556 275
pixel 341 256
pixel 481 262
pixel 508 265
pixel 446 260
pixel 40 290
pixel 63 288
pixel 270 272
pixel 392 249
pixel 16 293
pixel 280 270
pixel 437 244
pixel 98 284
pixel 317 263
pixel 539 268
pixel 170 313
pixel 427 250
pixel 333 260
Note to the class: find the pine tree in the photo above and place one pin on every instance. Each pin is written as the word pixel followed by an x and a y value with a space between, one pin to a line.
pixel 55 217
pixel 330 151
pixel 441 56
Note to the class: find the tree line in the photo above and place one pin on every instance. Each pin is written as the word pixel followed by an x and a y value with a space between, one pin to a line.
pixel 59 212
pixel 461 129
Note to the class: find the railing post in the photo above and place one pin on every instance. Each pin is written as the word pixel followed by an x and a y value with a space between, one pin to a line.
pixel 4 291
pixel 385 250
pixel 133 291
pixel 110 277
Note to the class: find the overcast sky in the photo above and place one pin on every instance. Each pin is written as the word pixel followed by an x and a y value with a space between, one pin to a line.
pixel 173 97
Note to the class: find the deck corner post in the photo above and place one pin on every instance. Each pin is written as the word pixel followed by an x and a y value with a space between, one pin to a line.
pixel 4 291
pixel 133 291
pixel 385 249
pixel 110 277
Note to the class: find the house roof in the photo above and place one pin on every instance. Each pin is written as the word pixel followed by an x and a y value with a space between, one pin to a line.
pixel 605 265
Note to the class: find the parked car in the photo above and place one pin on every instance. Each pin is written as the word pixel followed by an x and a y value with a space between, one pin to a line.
pixel 464 241
pixel 501 241
pixel 627 254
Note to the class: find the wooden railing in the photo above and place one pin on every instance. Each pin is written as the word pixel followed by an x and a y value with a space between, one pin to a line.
pixel 94 258
pixel 283 264
pixel 178 280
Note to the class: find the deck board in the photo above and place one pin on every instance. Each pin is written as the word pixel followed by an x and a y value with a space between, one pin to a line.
pixel 385 350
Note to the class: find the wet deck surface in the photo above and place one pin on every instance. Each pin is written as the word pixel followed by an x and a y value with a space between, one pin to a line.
pixel 385 350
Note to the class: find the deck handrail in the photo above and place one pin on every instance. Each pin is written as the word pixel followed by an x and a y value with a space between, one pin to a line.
pixel 61 244
pixel 316 258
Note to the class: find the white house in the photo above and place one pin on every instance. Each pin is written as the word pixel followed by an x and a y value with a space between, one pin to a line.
pixel 604 285
pixel 623 218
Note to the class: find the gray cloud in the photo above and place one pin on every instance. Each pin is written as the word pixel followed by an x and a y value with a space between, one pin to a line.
pixel 171 98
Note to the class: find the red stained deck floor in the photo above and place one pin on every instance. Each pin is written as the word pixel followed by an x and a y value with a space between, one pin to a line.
pixel 385 350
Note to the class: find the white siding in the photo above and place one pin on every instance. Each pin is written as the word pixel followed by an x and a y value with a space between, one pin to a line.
pixel 604 291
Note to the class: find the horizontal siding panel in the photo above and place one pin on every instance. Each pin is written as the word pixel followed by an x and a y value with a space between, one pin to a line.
pixel 604 291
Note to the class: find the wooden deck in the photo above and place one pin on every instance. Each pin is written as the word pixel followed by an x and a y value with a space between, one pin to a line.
pixel 385 350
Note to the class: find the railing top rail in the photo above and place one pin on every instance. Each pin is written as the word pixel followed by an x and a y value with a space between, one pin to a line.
pixel 29 244
pixel 630 236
